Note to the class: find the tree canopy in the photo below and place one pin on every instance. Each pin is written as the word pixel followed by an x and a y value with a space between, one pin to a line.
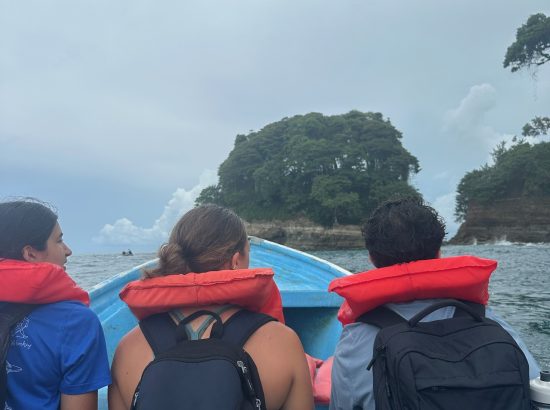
pixel 537 127
pixel 532 45
pixel 331 169
pixel 522 170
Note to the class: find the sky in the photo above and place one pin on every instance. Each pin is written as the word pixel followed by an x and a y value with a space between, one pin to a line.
pixel 119 113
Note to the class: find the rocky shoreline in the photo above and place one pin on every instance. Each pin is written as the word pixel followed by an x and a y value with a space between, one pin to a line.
pixel 515 220
pixel 304 235
pixel 524 220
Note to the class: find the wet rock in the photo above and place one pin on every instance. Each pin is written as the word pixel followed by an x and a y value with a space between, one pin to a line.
pixel 303 234
pixel 513 220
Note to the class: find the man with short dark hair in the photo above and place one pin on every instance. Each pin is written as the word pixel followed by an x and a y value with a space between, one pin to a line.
pixel 402 236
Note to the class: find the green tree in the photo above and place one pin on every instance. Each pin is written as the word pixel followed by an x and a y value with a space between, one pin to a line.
pixel 328 168
pixel 334 193
pixel 522 170
pixel 537 127
pixel 532 45
pixel 210 195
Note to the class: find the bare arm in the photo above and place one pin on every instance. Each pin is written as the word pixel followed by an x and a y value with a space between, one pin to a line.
pixel 115 398
pixel 131 356
pixel 86 401
pixel 281 362
pixel 300 395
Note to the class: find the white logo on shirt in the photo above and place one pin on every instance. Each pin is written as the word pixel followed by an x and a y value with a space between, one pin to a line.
pixel 19 338
pixel 11 368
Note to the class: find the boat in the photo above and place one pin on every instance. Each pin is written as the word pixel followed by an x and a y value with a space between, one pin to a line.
pixel 302 279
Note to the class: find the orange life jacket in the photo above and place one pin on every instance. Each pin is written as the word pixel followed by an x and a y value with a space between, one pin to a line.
pixel 252 289
pixel 37 283
pixel 460 277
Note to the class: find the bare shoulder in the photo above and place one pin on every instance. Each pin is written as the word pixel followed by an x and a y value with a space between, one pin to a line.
pixel 132 354
pixel 275 337
pixel 281 362
pixel 132 343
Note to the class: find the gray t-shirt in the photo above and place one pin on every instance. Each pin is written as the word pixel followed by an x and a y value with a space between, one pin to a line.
pixel 352 383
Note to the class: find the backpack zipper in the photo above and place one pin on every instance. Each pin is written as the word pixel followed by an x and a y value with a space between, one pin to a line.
pixel 136 395
pixel 380 350
pixel 251 391
pixel 381 353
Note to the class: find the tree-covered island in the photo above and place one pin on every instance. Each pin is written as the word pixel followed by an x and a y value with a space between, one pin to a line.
pixel 510 198
pixel 330 169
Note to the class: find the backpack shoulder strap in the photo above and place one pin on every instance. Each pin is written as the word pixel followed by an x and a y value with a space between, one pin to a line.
pixel 239 327
pixel 476 307
pixel 381 317
pixel 160 332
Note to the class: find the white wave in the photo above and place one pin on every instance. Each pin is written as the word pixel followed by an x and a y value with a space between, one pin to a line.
pixel 502 242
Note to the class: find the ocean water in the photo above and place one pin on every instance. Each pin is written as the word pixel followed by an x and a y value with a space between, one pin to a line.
pixel 519 288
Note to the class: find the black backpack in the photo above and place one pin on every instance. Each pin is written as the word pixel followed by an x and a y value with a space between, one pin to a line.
pixel 10 315
pixel 460 363
pixel 213 373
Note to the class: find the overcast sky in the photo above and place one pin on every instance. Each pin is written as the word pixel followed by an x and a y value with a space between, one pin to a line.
pixel 119 112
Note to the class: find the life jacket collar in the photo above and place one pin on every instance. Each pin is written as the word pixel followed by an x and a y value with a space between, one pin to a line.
pixel 37 283
pixel 460 277
pixel 252 289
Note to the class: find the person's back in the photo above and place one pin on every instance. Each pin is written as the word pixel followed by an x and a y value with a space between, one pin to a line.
pixel 403 239
pixel 57 356
pixel 58 348
pixel 210 242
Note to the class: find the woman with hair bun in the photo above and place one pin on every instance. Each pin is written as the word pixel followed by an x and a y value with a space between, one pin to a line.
pixel 57 357
pixel 204 266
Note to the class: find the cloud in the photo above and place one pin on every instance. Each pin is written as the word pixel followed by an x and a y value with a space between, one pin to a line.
pixel 471 110
pixel 465 127
pixel 124 232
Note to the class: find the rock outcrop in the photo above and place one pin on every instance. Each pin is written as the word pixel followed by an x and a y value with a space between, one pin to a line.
pixel 304 235
pixel 513 220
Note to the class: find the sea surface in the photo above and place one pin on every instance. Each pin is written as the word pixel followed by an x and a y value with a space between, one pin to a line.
pixel 519 288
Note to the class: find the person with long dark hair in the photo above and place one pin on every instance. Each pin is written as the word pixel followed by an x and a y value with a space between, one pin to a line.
pixel 57 357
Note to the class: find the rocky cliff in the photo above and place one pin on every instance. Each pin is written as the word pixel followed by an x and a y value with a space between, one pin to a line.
pixel 514 220
pixel 304 235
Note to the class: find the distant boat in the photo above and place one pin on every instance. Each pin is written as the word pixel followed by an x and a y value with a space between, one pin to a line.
pixel 302 278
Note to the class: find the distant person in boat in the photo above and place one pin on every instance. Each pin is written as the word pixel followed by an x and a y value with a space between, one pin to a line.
pixel 399 235
pixel 209 244
pixel 127 253
pixel 57 358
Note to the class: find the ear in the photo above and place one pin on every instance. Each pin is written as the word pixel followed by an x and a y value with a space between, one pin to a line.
pixel 30 254
pixel 235 260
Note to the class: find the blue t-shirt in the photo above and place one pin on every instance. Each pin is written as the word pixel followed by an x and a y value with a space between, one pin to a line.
pixel 58 348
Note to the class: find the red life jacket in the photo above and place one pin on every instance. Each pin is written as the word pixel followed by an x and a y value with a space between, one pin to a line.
pixel 460 277
pixel 37 283
pixel 252 289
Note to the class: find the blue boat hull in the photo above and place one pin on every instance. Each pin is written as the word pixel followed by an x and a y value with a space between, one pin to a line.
pixel 302 279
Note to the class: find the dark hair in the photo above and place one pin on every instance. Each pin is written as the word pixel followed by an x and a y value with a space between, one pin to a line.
pixel 23 222
pixel 403 230
pixel 203 240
